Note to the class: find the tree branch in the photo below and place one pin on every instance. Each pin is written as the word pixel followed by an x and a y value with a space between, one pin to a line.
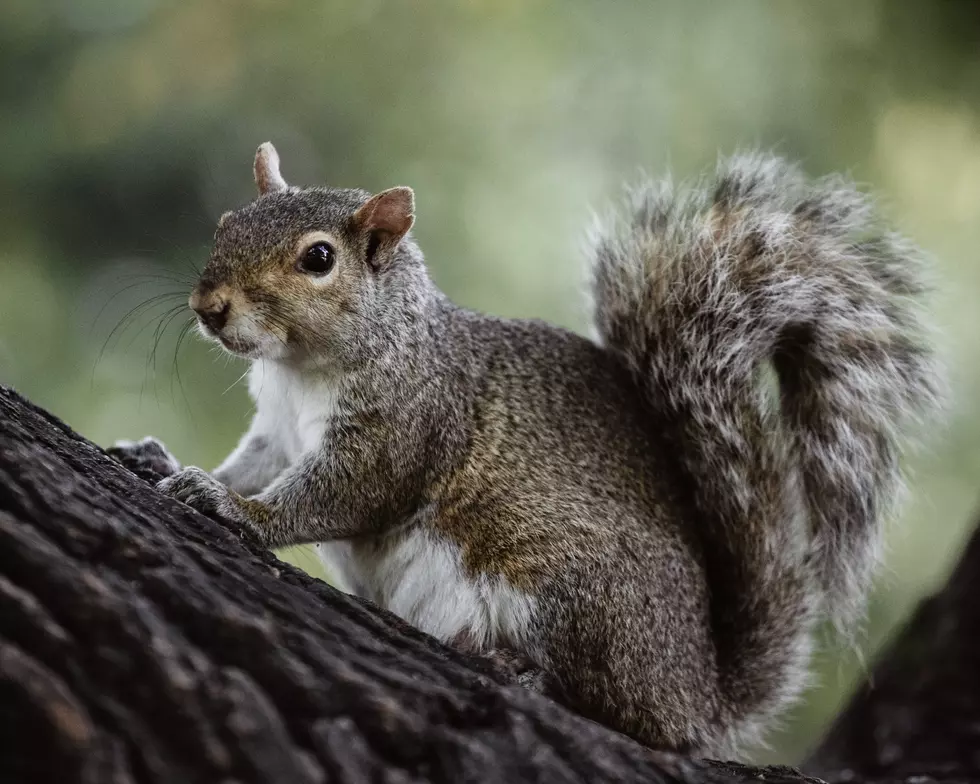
pixel 141 641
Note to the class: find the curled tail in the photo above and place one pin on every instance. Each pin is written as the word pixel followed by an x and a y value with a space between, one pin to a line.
pixel 718 295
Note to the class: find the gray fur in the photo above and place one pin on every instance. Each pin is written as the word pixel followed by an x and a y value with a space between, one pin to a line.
pixel 681 528
pixel 701 287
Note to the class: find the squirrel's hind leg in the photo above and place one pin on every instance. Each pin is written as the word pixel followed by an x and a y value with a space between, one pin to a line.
pixel 637 657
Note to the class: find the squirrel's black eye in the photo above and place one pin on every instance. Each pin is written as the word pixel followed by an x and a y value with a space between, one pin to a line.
pixel 318 259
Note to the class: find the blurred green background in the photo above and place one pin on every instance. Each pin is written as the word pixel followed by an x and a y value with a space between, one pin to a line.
pixel 128 126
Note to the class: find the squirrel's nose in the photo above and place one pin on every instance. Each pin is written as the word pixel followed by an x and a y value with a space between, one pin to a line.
pixel 213 311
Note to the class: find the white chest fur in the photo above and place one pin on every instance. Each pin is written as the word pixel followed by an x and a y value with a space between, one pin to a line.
pixel 295 409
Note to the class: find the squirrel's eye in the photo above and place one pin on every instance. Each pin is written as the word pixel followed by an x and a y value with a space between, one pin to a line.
pixel 318 259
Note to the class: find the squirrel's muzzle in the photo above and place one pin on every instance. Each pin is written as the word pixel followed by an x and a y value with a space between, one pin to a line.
pixel 211 308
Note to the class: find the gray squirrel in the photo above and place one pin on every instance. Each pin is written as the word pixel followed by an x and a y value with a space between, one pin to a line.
pixel 647 525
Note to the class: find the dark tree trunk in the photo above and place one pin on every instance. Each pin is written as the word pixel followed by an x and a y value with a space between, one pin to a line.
pixel 141 641
pixel 922 717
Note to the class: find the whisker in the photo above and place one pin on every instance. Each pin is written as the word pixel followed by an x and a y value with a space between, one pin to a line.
pixel 141 330
pixel 175 368
pixel 122 291
pixel 237 381
pixel 151 359
pixel 145 277
pixel 164 322
pixel 124 322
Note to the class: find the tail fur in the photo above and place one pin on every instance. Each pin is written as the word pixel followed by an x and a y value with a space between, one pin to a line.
pixel 714 292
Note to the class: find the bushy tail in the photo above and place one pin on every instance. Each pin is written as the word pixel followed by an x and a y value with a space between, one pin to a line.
pixel 714 292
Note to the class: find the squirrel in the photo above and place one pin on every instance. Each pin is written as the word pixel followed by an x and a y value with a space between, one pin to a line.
pixel 648 524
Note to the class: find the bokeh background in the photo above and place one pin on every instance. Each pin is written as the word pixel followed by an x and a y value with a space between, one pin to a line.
pixel 128 126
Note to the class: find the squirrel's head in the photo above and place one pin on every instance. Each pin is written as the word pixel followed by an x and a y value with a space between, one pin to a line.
pixel 310 274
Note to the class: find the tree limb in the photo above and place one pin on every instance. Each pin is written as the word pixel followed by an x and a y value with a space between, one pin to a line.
pixel 142 641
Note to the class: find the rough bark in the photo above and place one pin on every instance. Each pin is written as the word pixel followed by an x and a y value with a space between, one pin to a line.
pixel 141 641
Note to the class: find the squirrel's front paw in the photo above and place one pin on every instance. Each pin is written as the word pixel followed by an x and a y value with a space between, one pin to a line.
pixel 148 455
pixel 197 488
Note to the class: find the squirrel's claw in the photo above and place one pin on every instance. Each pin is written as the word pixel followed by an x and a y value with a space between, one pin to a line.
pixel 148 455
pixel 197 488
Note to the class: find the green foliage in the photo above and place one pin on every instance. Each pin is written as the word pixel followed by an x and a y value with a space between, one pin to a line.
pixel 128 126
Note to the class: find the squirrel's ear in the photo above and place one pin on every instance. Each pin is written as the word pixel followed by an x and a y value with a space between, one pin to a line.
pixel 267 176
pixel 391 212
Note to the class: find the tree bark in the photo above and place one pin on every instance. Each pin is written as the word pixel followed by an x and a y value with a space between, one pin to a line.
pixel 918 715
pixel 142 641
